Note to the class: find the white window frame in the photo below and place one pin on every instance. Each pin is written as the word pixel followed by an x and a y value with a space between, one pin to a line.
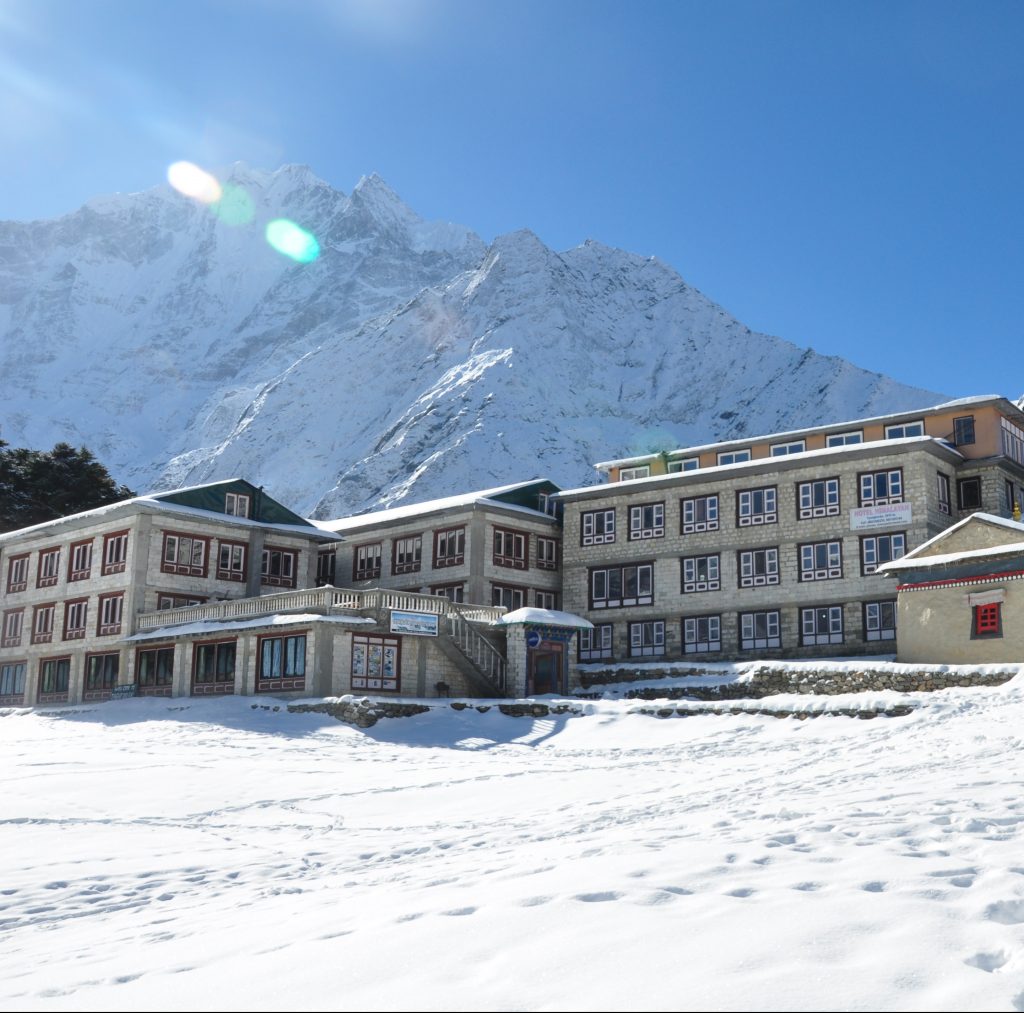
pixel 747 501
pixel 821 625
pixel 821 560
pixel 407 554
pixel 702 634
pixel 48 574
pixel 589 533
pixel 810 504
pixel 115 553
pixel 686 464
pixel 511 549
pixel 13 622
pixel 871 554
pixel 510 596
pixel 751 574
pixel 755 638
pixel 595 644
pixel 943 492
pixel 547 553
pixel 844 439
pixel 17 573
pixel 867 485
pixel 601 586
pixel 111 610
pixel 646 520
pixel 784 449
pixel 236 504
pixel 875 614
pixel 80 563
pixel 647 638
pixel 42 622
pixel 701 573
pixel 545 599
pixel 367 553
pixel 899 430
pixel 635 472
pixel 739 456
pixel 289 565
pixel 690 510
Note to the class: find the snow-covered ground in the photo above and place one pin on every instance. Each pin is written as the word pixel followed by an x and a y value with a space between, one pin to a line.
pixel 208 855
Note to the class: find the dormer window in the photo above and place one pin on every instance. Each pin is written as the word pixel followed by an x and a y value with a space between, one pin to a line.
pixel 629 474
pixel 688 464
pixel 236 504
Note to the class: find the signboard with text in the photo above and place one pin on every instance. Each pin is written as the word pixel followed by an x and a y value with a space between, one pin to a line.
pixel 418 624
pixel 891 515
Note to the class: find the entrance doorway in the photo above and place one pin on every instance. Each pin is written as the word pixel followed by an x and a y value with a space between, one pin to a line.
pixel 546 670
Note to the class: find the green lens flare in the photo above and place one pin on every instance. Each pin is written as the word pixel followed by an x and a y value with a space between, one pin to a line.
pixel 235 206
pixel 292 240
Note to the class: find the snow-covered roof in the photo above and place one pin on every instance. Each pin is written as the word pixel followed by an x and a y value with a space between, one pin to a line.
pixel 699 474
pixel 914 560
pixel 482 497
pixel 545 617
pixel 221 625
pixel 152 503
pixel 831 427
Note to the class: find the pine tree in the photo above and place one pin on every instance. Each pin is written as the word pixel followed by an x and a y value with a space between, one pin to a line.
pixel 38 486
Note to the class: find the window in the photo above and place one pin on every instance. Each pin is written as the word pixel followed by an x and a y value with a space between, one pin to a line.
pixel 54 677
pixel 75 615
pixel 511 548
pixel 595 644
pixel 647 639
pixel 700 573
pixel 453 592
pixel 880 620
pixel 733 456
pixel 48 570
pixel 115 552
pixel 154 668
pixel 185 554
pixel 988 619
pixel 376 663
pixel 80 562
pixel 110 608
pixel 1010 499
pixel 822 625
pixel 817 499
pixel 628 474
pixel 758 567
pixel 783 449
pixel 844 439
pixel 283 660
pixel 880 487
pixel 547 504
pixel 821 560
pixel 42 623
pixel 17 573
pixel 449 547
pixel 702 634
pixel 942 492
pixel 279 567
pixel 101 673
pixel 1013 440
pixel 12 680
pixel 968 493
pixel 508 596
pixel 963 430
pixel 10 636
pixel 615 586
pixel 904 429
pixel 699 514
pixel 545 599
pixel 406 554
pixel 231 561
pixel 236 504
pixel 176 601
pixel 878 549
pixel 646 521
pixel 597 527
pixel 687 464
pixel 326 564
pixel 213 667
pixel 547 553
pixel 759 630
pixel 756 506
pixel 366 561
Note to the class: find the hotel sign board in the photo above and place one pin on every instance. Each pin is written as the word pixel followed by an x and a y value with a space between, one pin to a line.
pixel 417 624
pixel 891 515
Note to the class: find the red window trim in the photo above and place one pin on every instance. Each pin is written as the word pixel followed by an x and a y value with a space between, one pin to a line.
pixel 214 688
pixel 454 559
pixel 82 574
pixel 102 692
pixel 42 581
pixel 545 564
pixel 512 562
pixel 396 567
pixel 153 690
pixel 17 585
pixel 108 568
pixel 58 697
pixel 43 638
pixel 272 580
pixel 986 618
pixel 370 572
pixel 78 632
pixel 383 640
pixel 232 574
pixel 275 683
pixel 6 641
pixel 185 569
pixel 108 629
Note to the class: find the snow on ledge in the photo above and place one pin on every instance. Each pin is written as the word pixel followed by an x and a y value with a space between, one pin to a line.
pixel 545 617
pixel 212 626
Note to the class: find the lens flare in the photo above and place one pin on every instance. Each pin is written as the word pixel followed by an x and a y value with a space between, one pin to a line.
pixel 190 180
pixel 235 206
pixel 292 240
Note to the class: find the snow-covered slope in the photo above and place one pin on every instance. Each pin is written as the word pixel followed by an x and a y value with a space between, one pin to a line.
pixel 410 360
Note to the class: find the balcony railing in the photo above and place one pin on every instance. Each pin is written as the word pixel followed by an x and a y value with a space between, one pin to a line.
pixel 322 600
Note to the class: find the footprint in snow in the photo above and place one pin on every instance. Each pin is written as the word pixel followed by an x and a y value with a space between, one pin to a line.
pixel 874 887
pixel 988 961
pixel 1006 912
pixel 598 898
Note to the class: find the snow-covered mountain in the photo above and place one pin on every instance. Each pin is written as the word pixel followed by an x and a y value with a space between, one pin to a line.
pixel 410 360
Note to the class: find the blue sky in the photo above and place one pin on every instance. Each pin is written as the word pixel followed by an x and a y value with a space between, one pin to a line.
pixel 847 176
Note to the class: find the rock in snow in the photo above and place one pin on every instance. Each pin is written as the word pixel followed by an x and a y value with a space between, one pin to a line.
pixel 409 361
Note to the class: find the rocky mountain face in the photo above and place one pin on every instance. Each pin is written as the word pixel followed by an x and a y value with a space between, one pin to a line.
pixel 409 360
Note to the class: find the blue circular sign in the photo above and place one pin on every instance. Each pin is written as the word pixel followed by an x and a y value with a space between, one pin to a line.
pixel 533 639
